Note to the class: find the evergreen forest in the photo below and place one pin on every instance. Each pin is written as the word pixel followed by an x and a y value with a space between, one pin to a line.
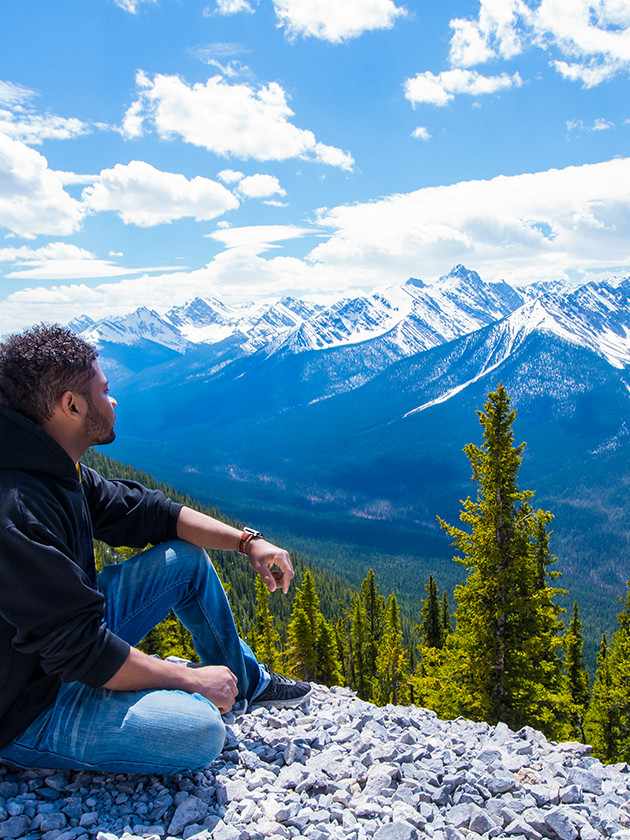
pixel 495 649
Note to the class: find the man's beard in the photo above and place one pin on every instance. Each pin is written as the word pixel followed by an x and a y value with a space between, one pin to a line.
pixel 98 429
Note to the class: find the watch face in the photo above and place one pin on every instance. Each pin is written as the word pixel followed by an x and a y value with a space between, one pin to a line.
pixel 252 532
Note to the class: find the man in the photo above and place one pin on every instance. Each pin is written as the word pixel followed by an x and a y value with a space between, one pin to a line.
pixel 74 691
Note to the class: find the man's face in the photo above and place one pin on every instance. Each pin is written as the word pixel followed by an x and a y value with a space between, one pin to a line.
pixel 100 419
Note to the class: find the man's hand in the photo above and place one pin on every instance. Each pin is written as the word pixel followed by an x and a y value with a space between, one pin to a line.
pixel 141 672
pixel 202 530
pixel 263 556
pixel 217 684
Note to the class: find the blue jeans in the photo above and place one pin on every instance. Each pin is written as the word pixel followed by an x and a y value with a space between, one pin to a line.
pixel 158 731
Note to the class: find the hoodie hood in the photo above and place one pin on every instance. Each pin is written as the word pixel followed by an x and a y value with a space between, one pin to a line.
pixel 24 446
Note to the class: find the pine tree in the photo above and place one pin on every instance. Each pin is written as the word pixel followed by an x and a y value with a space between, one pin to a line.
pixel 577 675
pixel 312 649
pixel 264 639
pixel 608 718
pixel 360 679
pixel 374 606
pixel 328 661
pixel 501 663
pixel 390 684
pixel 431 626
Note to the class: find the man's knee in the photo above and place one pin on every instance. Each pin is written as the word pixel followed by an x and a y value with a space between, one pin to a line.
pixel 189 558
pixel 185 729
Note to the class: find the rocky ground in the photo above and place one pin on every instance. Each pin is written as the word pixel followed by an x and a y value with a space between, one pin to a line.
pixel 340 768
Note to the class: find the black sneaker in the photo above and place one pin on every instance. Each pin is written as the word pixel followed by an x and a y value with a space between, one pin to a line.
pixel 282 692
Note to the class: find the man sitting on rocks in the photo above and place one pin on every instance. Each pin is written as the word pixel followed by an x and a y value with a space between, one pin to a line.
pixel 74 691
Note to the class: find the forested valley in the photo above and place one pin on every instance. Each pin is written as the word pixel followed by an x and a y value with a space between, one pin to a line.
pixel 495 649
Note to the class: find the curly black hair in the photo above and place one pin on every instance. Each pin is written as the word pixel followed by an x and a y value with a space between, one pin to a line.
pixel 38 365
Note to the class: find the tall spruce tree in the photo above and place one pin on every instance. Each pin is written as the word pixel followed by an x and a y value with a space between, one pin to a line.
pixel 577 675
pixel 501 663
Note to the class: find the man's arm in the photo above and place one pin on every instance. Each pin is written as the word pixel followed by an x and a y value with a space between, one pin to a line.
pixel 141 672
pixel 197 528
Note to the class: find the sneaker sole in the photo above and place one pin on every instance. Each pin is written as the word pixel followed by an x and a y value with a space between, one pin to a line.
pixel 281 704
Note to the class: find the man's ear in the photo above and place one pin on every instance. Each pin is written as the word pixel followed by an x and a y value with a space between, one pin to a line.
pixel 70 406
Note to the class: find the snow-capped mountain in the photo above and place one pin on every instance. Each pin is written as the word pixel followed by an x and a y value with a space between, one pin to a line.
pixel 406 319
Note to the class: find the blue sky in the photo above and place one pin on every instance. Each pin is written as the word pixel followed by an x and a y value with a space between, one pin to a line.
pixel 154 150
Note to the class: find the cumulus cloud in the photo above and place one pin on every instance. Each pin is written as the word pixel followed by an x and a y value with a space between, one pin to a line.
pixel 330 20
pixel 145 196
pixel 421 133
pixel 32 198
pixel 440 89
pixel 590 38
pixel 230 176
pixel 575 218
pixel 237 120
pixel 260 186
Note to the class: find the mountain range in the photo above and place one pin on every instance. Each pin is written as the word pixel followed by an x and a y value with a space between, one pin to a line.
pixel 345 422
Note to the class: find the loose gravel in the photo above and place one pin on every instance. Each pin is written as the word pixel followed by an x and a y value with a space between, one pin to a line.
pixel 339 769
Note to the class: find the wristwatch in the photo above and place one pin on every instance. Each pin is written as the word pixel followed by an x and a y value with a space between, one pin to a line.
pixel 248 535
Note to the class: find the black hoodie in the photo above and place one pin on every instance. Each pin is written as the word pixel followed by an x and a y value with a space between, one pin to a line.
pixel 51 613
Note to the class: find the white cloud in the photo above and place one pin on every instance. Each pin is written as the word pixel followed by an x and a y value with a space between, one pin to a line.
pixel 600 124
pixel 546 222
pixel 230 176
pixel 233 7
pixel 590 38
pixel 260 186
pixel 132 6
pixel 441 88
pixel 334 21
pixel 145 196
pixel 421 133
pixel 32 198
pixel 227 119
pixel 60 261
pixel 12 94
pixel 521 228
pixel 19 120
pixel 258 238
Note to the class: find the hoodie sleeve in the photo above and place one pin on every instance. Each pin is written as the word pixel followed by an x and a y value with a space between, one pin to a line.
pixel 48 599
pixel 126 513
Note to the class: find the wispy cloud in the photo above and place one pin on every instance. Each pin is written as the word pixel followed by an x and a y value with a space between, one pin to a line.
pixel 600 124
pixel 132 6
pixel 19 118
pixel 238 120
pixel 61 261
